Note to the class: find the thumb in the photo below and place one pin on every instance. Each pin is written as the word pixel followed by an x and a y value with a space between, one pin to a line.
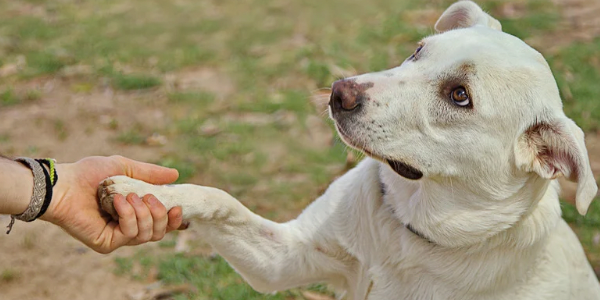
pixel 150 173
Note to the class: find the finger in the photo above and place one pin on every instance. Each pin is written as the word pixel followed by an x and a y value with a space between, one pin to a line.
pixel 143 217
pixel 146 172
pixel 159 217
pixel 175 218
pixel 127 218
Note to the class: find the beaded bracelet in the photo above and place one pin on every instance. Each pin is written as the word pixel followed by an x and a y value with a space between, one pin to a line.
pixel 43 182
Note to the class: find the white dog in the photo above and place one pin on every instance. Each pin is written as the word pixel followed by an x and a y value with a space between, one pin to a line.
pixel 458 199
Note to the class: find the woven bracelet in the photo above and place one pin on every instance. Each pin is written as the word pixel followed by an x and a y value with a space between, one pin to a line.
pixel 43 182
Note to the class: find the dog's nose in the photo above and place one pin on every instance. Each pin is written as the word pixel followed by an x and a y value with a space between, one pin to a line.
pixel 346 95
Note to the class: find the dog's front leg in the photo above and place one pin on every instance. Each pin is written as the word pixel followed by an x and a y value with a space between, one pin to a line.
pixel 270 256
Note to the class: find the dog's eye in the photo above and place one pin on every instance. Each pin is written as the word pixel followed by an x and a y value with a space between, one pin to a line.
pixel 460 97
pixel 414 55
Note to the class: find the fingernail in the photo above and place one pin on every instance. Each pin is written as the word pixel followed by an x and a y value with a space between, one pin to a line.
pixel 135 199
pixel 152 201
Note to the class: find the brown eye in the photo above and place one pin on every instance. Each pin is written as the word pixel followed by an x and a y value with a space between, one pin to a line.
pixel 460 97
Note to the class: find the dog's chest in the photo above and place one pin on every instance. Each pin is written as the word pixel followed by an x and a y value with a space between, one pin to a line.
pixel 407 268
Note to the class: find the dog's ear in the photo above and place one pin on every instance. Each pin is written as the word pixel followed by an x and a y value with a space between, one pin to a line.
pixel 465 14
pixel 554 149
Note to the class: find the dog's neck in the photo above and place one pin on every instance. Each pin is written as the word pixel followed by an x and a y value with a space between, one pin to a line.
pixel 455 214
pixel 506 234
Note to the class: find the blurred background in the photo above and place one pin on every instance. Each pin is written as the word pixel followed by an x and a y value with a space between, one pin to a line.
pixel 232 94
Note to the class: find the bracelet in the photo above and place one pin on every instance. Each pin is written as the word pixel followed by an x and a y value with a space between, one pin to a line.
pixel 43 182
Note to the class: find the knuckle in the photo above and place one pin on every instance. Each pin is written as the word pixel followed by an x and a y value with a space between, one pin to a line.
pixel 158 236
pixel 142 213
pixel 131 232
pixel 117 157
pixel 130 235
pixel 127 213
pixel 143 238
pixel 159 213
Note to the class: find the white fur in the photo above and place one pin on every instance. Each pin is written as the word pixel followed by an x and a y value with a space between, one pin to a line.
pixel 487 201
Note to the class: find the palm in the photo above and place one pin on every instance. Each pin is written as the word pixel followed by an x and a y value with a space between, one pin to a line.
pixel 75 206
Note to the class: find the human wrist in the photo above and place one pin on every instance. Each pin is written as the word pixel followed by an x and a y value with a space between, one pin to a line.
pixel 53 213
pixel 17 180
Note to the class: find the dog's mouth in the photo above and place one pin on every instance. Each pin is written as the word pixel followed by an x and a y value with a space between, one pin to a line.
pixel 403 169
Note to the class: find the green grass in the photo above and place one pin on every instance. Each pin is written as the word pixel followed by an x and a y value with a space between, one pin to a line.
pixel 213 278
pixel 587 228
pixel 9 275
pixel 577 71
pixel 41 63
pixel 196 98
pixel 590 221
pixel 8 98
pixel 129 82
pixel 540 16
pixel 61 130
pixel 131 137
pixel 124 265
pixel 186 168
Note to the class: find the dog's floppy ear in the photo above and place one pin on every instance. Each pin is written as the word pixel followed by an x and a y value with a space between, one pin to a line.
pixel 557 148
pixel 463 14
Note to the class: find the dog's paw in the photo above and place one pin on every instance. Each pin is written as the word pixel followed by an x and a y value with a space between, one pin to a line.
pixel 119 185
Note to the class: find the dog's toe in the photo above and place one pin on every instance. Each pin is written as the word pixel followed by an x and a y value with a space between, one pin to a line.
pixel 106 196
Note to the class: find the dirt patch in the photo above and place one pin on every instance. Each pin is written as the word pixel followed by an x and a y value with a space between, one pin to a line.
pixel 45 263
pixel 39 260
pixel 68 125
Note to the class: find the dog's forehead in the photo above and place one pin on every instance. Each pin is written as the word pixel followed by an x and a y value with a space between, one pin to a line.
pixel 484 46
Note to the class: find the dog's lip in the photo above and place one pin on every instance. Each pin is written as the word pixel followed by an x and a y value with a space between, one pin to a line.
pixel 403 169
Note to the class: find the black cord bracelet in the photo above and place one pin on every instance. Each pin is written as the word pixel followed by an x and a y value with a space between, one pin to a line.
pixel 49 186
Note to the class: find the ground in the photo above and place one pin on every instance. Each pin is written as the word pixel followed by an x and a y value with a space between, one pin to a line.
pixel 232 95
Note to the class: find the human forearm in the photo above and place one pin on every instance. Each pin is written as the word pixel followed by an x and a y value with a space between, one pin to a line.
pixel 16 186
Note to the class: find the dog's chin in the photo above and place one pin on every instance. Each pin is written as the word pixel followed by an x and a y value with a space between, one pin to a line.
pixel 403 169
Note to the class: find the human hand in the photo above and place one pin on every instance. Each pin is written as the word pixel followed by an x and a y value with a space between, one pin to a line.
pixel 75 208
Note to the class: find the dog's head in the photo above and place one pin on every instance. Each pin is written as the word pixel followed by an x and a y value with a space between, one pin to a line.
pixel 472 103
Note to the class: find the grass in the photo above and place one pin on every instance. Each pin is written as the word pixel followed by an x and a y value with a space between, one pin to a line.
pixel 200 98
pixel 212 276
pixel 131 137
pixel 577 71
pixel 9 97
pixel 587 228
pixel 9 275
pixel 134 81
pixel 255 142
pixel 186 168
pixel 61 130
